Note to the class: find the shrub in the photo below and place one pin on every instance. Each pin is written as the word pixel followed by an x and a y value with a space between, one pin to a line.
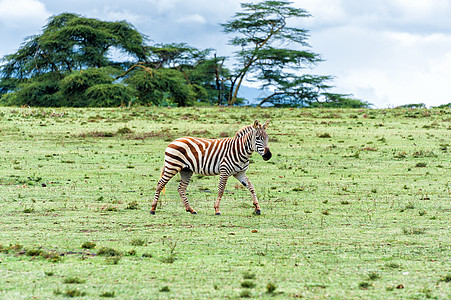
pixel 73 280
pixel 446 278
pixel 364 285
pixel 124 130
pixel 248 284
pixel 33 252
pixel 88 245
pixel 137 242
pixel 74 293
pixel 393 265
pixel 165 289
pixel 108 294
pixel 373 276
pixel 109 95
pixel 113 260
pixel 270 288
pixel 245 294
pixel 51 256
pixel 324 135
pixel 105 251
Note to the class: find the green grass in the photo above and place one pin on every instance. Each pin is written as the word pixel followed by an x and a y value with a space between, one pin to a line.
pixel 355 204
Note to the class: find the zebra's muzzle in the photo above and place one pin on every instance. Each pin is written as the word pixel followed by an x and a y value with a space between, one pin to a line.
pixel 267 155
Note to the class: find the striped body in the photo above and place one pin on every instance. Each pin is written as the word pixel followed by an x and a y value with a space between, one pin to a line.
pixel 224 157
pixel 205 156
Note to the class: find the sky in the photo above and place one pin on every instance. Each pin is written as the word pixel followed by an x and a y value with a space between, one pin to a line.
pixel 385 52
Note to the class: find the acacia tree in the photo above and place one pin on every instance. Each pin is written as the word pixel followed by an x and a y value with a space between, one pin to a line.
pixel 69 64
pixel 69 43
pixel 260 31
pixel 177 73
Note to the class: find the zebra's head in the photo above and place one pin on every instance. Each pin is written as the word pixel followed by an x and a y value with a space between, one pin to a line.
pixel 261 140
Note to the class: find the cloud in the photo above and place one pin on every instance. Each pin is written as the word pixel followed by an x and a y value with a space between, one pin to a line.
pixel 387 52
pixel 403 15
pixel 388 68
pixel 22 13
pixel 114 13
pixel 211 11
pixel 192 19
pixel 324 12
pixel 420 8
pixel 195 22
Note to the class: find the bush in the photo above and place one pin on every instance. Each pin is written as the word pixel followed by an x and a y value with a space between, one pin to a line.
pixel 137 242
pixel 88 245
pixel 340 101
pixel 105 251
pixel 108 294
pixel 90 87
pixel 109 95
pixel 73 280
pixel 74 86
pixel 165 87
pixel 270 288
pixel 39 91
pixel 248 284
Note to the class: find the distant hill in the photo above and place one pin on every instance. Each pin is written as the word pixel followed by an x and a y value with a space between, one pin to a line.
pixel 252 95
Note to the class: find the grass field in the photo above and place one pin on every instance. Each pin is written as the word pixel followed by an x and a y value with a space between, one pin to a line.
pixel 355 204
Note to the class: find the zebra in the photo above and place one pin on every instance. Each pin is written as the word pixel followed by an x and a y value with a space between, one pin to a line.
pixel 224 157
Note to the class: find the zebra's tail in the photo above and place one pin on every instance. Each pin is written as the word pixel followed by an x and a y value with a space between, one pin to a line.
pixel 161 176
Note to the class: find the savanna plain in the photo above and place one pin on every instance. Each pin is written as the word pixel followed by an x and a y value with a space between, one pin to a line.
pixel 355 205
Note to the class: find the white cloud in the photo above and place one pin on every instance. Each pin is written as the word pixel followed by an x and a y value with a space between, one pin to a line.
pixel 389 68
pixel 215 11
pixel 323 12
pixel 114 13
pixel 387 52
pixel 405 15
pixel 164 6
pixel 22 13
pixel 192 19
pixel 421 8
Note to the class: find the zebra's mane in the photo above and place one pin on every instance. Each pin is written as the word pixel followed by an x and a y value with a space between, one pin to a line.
pixel 244 130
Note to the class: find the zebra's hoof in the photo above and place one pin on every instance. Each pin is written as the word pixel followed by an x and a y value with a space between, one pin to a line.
pixel 258 212
pixel 217 214
pixel 152 212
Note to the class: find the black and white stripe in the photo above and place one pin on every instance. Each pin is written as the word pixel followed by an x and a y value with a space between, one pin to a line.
pixel 223 157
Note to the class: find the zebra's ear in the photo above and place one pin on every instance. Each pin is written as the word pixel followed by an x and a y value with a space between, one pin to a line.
pixel 266 124
pixel 256 124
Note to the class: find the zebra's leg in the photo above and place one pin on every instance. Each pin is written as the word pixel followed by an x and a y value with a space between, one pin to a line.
pixel 185 175
pixel 241 177
pixel 166 175
pixel 222 184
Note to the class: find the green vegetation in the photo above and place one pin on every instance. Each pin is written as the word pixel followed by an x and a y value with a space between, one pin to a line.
pixel 259 32
pixel 75 216
pixel 73 63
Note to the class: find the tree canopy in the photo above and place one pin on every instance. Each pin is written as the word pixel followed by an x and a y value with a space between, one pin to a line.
pixel 57 67
pixel 72 63
pixel 259 33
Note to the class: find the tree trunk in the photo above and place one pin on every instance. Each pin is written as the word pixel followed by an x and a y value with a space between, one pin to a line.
pixel 231 92
pixel 235 92
pixel 218 84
